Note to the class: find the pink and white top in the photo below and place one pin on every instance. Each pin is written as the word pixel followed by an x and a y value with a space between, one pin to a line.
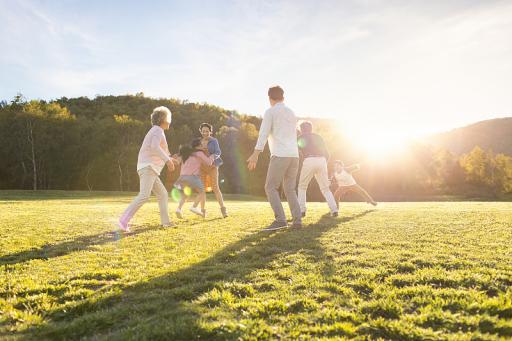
pixel 154 151
pixel 193 164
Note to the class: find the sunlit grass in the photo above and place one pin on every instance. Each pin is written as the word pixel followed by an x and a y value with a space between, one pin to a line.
pixel 400 271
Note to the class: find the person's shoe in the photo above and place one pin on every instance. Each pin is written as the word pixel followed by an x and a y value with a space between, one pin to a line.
pixel 303 214
pixel 171 224
pixel 224 212
pixel 276 225
pixel 334 214
pixel 374 203
pixel 197 211
pixel 297 225
pixel 178 214
pixel 123 226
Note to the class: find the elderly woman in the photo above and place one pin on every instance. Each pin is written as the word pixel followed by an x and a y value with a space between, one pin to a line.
pixel 210 174
pixel 153 156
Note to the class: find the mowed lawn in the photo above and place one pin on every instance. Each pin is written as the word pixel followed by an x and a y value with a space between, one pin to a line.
pixel 439 271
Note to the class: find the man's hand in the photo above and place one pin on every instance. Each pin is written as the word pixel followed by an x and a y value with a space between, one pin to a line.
pixel 253 160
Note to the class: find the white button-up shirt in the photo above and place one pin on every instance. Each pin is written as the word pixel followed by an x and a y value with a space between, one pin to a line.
pixel 154 151
pixel 279 127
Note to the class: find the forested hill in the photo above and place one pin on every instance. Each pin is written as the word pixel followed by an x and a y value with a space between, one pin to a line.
pixel 495 135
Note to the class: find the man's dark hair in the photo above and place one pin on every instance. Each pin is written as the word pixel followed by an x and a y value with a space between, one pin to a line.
pixel 208 125
pixel 306 127
pixel 276 93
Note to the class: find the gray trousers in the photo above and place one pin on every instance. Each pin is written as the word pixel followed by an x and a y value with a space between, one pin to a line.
pixel 283 170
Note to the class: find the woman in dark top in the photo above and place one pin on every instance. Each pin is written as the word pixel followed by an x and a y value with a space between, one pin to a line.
pixel 210 174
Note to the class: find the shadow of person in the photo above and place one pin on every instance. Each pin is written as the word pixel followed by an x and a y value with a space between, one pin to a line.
pixel 166 307
pixel 63 248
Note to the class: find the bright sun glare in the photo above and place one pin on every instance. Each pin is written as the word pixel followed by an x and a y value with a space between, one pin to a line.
pixel 378 141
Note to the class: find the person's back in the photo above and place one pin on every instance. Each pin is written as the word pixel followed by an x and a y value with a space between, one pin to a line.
pixel 282 140
pixel 278 127
pixel 312 144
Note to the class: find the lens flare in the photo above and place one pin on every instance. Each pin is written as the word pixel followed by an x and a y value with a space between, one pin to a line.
pixel 301 142
pixel 175 194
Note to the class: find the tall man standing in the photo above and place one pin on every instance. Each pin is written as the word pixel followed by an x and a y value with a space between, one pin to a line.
pixel 279 127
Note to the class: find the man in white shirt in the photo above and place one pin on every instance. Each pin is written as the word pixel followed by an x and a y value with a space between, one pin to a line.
pixel 279 127
pixel 153 156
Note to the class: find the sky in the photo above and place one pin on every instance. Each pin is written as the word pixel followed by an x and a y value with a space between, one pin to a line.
pixel 404 67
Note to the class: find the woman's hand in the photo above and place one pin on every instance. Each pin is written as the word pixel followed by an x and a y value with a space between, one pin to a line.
pixel 170 165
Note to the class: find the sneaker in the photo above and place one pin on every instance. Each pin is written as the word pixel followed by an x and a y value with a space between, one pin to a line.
pixel 171 224
pixel 276 225
pixel 334 214
pixel 178 214
pixel 197 211
pixel 123 226
pixel 297 225
pixel 303 214
pixel 374 203
pixel 224 212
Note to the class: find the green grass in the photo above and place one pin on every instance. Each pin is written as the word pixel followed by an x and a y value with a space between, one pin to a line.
pixel 440 271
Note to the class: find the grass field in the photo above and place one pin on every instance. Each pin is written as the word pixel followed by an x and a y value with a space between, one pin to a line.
pixel 439 271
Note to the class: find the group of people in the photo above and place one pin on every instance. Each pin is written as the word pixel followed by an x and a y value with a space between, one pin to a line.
pixel 199 163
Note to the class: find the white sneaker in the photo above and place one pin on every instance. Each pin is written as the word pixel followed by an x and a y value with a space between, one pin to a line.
pixel 171 224
pixel 178 214
pixel 197 211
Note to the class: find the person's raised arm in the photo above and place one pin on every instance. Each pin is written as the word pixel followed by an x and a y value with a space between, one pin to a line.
pixel 352 168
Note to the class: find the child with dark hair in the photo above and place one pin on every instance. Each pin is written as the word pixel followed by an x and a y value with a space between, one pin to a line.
pixel 346 183
pixel 192 158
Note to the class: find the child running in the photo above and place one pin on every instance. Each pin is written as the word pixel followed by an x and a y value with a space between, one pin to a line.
pixel 192 157
pixel 346 183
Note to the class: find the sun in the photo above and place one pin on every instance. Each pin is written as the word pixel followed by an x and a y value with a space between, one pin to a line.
pixel 378 141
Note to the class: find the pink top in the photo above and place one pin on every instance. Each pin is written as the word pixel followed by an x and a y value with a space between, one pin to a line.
pixel 154 151
pixel 193 164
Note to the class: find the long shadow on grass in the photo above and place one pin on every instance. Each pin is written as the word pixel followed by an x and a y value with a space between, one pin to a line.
pixel 60 249
pixel 165 307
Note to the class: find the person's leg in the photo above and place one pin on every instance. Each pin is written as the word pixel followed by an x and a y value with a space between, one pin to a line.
pixel 197 185
pixel 306 174
pixel 289 181
pixel 275 175
pixel 361 191
pixel 163 201
pixel 322 178
pixel 340 192
pixel 214 175
pixel 147 178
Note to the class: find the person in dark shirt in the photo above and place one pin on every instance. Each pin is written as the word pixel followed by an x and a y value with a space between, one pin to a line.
pixel 315 155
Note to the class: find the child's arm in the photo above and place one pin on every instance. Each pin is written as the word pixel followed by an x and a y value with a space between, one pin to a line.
pixel 208 161
pixel 352 168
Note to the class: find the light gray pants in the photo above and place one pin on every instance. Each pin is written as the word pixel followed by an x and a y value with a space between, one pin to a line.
pixel 317 167
pixel 283 170
pixel 149 182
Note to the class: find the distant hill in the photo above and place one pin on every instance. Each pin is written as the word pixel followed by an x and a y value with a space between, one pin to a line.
pixel 495 134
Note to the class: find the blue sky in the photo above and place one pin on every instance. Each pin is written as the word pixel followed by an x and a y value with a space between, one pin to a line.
pixel 408 67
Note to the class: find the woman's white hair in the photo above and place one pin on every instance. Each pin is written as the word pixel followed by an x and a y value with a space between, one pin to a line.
pixel 159 115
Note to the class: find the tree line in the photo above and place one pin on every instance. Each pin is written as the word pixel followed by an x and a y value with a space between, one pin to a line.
pixel 92 144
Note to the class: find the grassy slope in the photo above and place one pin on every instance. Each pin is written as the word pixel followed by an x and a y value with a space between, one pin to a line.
pixel 403 270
